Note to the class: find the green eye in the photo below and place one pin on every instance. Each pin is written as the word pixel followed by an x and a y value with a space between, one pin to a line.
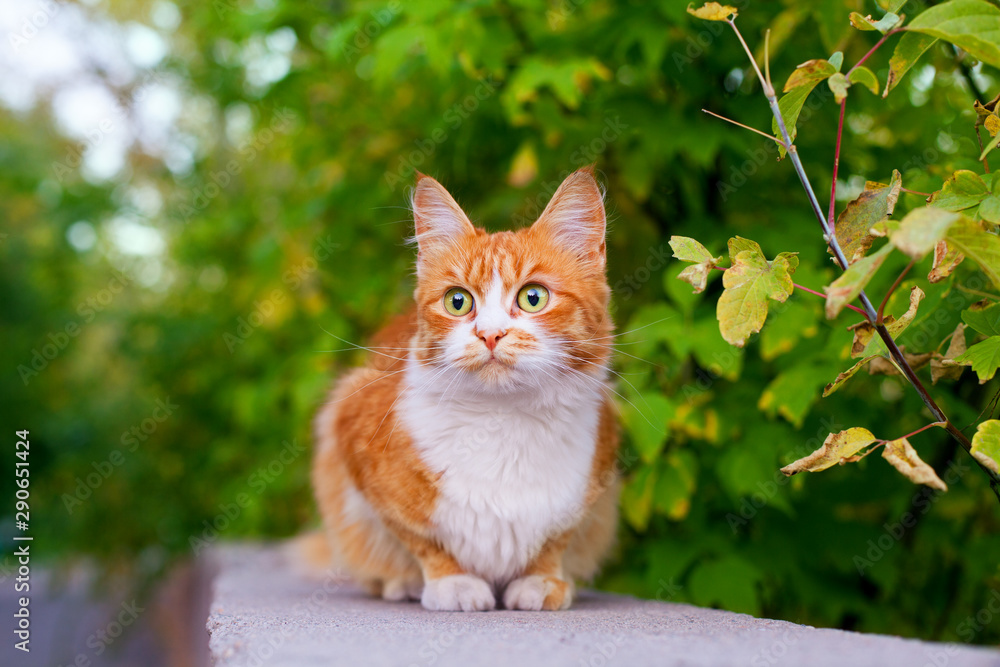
pixel 532 298
pixel 457 301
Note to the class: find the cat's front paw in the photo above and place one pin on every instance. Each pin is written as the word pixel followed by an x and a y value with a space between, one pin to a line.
pixel 535 593
pixel 458 592
pixel 400 589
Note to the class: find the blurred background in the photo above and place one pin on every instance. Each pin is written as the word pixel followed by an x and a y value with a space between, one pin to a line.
pixel 199 200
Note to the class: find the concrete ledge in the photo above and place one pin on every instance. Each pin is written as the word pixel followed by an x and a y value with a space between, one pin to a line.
pixel 264 612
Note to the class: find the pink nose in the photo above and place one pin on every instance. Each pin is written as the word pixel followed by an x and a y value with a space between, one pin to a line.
pixel 491 338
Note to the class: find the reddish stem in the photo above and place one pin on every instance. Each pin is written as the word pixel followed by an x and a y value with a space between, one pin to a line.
pixel 899 279
pixel 920 430
pixel 836 164
pixel 820 294
pixel 915 192
pixel 874 49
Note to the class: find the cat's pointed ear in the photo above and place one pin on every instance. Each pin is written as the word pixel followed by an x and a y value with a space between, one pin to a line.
pixel 575 216
pixel 437 218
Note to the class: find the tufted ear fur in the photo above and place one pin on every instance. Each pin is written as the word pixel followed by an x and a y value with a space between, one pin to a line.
pixel 575 217
pixel 438 219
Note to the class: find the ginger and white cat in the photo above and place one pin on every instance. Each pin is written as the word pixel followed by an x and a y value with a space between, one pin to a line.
pixel 472 458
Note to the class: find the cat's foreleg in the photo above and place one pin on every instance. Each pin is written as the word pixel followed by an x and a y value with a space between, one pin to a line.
pixel 543 585
pixel 447 587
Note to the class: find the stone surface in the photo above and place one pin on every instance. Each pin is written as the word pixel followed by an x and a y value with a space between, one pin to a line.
pixel 265 612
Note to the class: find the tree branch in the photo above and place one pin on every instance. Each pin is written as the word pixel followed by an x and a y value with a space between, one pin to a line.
pixel 831 239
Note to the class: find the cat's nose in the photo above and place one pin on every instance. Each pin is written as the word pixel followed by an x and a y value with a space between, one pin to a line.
pixel 491 338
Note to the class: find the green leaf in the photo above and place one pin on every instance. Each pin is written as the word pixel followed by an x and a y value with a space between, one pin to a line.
pixel 786 326
pixel 637 497
pixel 790 106
pixel 846 375
pixel 865 77
pixel 986 444
pixel 729 582
pixel 962 190
pixel 811 71
pixel 749 283
pixel 988 148
pixel 712 352
pixel 945 367
pixel 675 484
pixel 979 245
pixel 839 447
pixel 909 49
pixel 688 250
pixel 984 358
pixel 837 60
pixel 791 394
pixel 875 203
pixel 848 286
pixel 973 25
pixel 883 25
pixel 838 84
pixel 922 229
pixel 903 457
pixel 713 11
pixel 862 22
pixel 867 342
pixel 989 210
pixel 646 418
pixel 985 320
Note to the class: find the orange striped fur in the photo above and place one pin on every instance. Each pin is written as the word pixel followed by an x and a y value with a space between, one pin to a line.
pixel 470 462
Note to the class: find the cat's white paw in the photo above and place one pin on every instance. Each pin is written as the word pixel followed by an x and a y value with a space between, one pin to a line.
pixel 400 589
pixel 458 592
pixel 535 592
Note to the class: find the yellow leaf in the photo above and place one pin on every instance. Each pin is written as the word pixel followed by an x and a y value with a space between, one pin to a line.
pixel 749 283
pixel 713 11
pixel 903 457
pixel 866 340
pixel 837 448
pixel 986 444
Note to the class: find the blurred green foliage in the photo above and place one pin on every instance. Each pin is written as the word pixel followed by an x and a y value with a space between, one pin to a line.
pixel 288 237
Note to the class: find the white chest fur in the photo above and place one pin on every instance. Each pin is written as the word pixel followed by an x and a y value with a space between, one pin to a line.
pixel 514 469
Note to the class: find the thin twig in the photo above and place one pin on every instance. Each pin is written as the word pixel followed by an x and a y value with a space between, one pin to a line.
pixel 916 192
pixel 820 294
pixel 831 239
pixel 836 165
pixel 746 127
pixel 920 430
pixel 885 300
pixel 873 49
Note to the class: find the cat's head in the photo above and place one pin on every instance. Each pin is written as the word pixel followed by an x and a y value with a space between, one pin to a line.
pixel 517 309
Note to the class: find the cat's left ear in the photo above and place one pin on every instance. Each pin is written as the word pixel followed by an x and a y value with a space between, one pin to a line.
pixel 575 217
pixel 437 217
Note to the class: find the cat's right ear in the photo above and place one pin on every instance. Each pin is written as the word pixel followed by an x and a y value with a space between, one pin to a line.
pixel 438 219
